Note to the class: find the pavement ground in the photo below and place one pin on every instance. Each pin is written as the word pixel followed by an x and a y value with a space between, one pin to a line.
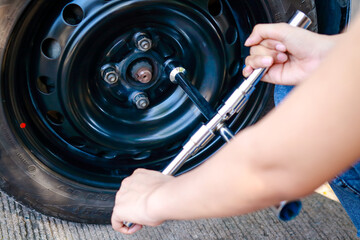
pixel 321 218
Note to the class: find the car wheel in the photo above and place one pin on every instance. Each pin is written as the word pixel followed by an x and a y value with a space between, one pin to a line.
pixel 86 100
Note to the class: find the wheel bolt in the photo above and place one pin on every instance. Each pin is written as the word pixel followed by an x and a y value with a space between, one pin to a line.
pixel 141 101
pixel 143 42
pixel 110 75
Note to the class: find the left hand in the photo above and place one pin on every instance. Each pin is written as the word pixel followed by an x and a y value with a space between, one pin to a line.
pixel 132 201
pixel 291 53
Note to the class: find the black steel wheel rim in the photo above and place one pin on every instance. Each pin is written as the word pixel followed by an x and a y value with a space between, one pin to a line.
pixel 85 129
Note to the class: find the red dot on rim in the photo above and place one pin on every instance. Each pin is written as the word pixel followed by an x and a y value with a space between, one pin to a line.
pixel 23 125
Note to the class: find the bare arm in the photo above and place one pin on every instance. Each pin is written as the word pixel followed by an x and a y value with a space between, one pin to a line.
pixel 280 158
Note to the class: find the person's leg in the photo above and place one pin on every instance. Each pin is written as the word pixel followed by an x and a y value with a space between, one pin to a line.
pixel 347 189
pixel 281 92
pixel 346 186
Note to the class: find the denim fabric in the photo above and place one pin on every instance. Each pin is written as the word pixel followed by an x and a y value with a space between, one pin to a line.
pixel 347 189
pixel 345 186
pixel 281 92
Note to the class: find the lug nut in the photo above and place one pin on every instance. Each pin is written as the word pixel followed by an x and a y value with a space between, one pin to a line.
pixel 141 101
pixel 143 42
pixel 110 75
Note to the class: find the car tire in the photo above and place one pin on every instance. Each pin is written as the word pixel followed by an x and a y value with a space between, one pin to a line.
pixel 26 173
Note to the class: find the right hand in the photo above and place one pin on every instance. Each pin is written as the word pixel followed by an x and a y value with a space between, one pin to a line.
pixel 291 53
pixel 132 202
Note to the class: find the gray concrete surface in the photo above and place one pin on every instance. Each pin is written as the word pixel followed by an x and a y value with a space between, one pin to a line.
pixel 321 218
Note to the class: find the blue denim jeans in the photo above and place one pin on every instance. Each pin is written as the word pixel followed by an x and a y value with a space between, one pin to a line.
pixel 347 185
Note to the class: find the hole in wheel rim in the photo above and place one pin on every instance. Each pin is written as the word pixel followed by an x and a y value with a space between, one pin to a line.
pixel 231 35
pixel 73 14
pixel 45 85
pixel 234 69
pixel 55 117
pixel 78 142
pixel 215 7
pixel 50 48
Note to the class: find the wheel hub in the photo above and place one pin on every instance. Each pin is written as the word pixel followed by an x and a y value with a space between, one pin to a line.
pixel 142 72
pixel 116 125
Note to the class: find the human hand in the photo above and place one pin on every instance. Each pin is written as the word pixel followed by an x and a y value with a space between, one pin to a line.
pixel 291 53
pixel 132 201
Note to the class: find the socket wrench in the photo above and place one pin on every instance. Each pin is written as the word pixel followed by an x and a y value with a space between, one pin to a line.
pixel 233 105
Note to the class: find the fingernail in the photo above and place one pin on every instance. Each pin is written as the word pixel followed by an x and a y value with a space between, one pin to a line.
pixel 267 61
pixel 246 71
pixel 135 228
pixel 247 42
pixel 281 47
pixel 282 57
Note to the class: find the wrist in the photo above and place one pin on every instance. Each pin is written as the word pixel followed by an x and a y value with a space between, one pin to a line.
pixel 157 202
pixel 328 43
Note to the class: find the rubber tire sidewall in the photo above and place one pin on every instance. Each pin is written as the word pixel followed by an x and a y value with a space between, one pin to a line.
pixel 282 11
pixel 23 177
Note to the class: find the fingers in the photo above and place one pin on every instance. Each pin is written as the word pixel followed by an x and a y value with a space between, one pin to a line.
pixel 263 57
pixel 120 227
pixel 132 230
pixel 277 32
pixel 128 231
pixel 259 61
pixel 273 45
pixel 263 61
pixel 131 200
pixel 127 182
pixel 267 46
pixel 255 62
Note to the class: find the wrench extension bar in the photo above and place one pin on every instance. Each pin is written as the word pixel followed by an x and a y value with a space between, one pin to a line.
pixel 232 106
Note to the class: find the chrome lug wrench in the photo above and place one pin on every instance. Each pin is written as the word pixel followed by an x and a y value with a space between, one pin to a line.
pixel 233 105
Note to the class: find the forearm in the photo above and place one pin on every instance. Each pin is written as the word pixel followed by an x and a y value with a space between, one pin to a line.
pixel 223 186
pixel 313 136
